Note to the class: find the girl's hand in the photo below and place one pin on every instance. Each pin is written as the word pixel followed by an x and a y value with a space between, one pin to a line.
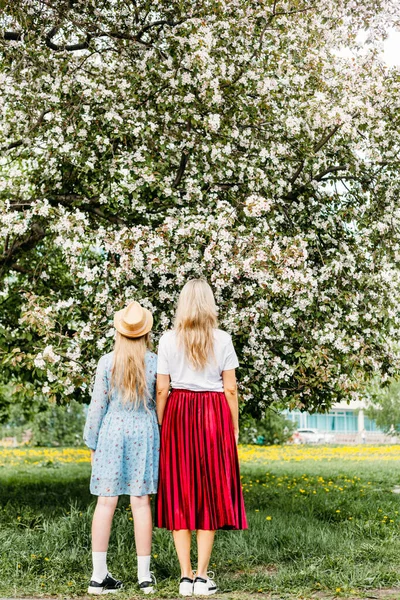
pixel 236 432
pixel 92 455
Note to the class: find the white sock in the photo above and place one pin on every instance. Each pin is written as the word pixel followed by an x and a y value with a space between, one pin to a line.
pixel 143 568
pixel 99 566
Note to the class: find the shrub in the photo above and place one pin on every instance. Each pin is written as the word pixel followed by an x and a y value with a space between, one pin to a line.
pixel 272 429
pixel 59 426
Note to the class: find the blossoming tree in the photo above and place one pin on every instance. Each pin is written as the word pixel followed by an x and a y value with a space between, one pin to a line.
pixel 254 143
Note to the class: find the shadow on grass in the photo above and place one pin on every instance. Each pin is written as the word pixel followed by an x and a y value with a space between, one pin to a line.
pixel 46 491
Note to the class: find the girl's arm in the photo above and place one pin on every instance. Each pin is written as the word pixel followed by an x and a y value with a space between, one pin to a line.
pixel 97 407
pixel 162 393
pixel 230 391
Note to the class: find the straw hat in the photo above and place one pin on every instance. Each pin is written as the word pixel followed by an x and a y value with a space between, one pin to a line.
pixel 133 321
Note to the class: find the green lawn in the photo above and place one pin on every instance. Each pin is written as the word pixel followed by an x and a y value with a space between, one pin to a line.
pixel 315 526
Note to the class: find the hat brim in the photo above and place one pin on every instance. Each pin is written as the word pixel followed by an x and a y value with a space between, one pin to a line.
pixel 146 327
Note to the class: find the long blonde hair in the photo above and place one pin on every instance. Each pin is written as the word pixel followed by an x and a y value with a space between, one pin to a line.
pixel 195 320
pixel 128 373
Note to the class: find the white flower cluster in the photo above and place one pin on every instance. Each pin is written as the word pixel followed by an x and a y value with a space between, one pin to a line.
pixel 225 144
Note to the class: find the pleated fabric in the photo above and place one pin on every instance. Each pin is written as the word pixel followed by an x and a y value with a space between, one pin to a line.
pixel 199 478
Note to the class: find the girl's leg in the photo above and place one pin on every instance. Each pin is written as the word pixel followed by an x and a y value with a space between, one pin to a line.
pixel 205 540
pixel 143 525
pixel 101 529
pixel 183 540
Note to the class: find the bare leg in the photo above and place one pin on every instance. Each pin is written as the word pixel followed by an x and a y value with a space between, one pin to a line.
pixel 205 540
pixel 102 520
pixel 141 513
pixel 183 540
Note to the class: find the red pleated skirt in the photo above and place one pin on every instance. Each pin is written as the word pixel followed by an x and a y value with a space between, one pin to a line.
pixel 199 480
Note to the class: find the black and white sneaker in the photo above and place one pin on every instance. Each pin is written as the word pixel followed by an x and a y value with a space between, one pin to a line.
pixel 148 587
pixel 109 585
pixel 186 586
pixel 204 587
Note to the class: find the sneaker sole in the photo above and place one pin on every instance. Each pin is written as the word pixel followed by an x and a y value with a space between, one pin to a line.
pixel 149 590
pixel 204 592
pixel 100 591
pixel 184 593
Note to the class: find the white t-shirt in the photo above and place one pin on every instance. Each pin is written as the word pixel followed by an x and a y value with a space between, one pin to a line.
pixel 172 361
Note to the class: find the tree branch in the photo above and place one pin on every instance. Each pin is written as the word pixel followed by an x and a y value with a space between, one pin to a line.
pixel 294 11
pixel 12 145
pixel 326 138
pixel 22 244
pixel 182 167
pixel 328 170
pixel 297 172
pixel 18 143
pixel 157 24
pixel 103 215
pixel 89 205
pixel 37 232
pixel 17 36
pixel 20 269
pixel 226 185
pixel 13 36
pixel 123 36
pixel 184 160
pixel 53 31
pixel 68 47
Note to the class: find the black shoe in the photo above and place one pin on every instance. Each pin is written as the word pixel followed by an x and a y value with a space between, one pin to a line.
pixel 148 587
pixel 107 586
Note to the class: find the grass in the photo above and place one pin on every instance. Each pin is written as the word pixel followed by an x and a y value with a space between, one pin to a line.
pixel 322 520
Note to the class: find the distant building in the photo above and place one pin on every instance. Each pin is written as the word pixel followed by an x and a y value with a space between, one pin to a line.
pixel 346 422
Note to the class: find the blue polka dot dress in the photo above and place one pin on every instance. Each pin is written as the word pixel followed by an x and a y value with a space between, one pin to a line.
pixel 125 439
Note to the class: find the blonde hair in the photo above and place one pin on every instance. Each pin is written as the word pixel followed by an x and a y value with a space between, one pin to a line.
pixel 128 373
pixel 195 320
